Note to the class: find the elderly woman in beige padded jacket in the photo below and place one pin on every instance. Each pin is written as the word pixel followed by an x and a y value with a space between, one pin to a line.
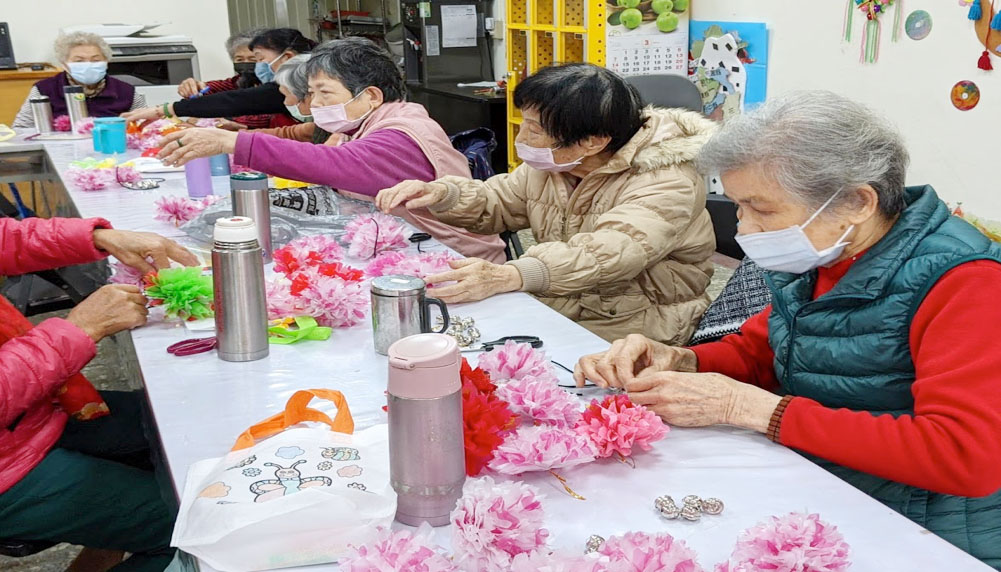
pixel 611 194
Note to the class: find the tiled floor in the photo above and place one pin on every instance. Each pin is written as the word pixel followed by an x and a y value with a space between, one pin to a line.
pixel 103 372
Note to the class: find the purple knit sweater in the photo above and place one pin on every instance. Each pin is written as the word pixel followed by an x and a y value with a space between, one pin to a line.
pixel 366 166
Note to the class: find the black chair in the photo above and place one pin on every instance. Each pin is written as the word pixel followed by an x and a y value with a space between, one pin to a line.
pixel 667 91
pixel 723 213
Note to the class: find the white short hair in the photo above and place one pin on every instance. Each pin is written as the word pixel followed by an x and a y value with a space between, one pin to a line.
pixel 66 42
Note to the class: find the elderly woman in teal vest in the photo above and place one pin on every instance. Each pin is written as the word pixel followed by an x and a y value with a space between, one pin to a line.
pixel 880 356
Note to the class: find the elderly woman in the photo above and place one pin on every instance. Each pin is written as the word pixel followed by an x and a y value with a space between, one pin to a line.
pixel 867 361
pixel 84 58
pixel 357 92
pixel 610 193
pixel 84 480
pixel 271 49
pixel 244 63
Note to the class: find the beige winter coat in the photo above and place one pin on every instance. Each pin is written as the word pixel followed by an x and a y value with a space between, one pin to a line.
pixel 627 250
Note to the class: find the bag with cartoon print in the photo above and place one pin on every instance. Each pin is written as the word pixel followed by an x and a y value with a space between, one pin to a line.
pixel 288 494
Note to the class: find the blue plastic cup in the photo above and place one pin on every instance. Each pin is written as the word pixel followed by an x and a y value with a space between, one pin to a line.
pixel 109 135
pixel 220 165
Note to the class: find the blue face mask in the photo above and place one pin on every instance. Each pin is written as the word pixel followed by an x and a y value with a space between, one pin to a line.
pixel 293 110
pixel 87 73
pixel 263 70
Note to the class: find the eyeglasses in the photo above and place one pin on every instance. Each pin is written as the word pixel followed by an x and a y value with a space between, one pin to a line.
pixel 140 185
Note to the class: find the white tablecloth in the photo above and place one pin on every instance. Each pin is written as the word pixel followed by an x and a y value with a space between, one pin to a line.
pixel 201 404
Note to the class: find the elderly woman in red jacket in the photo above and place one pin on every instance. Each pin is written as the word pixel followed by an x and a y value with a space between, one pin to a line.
pixel 67 480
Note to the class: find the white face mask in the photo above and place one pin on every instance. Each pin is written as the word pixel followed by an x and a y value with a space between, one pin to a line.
pixel 334 118
pixel 789 249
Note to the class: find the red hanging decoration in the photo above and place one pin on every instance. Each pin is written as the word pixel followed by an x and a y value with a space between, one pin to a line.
pixel 984 62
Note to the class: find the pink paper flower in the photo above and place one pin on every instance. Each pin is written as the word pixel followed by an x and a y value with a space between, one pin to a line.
pixel 206 122
pixel 332 300
pixel 421 265
pixel 797 542
pixel 307 251
pixel 540 400
pixel 494 522
pixel 133 141
pixel 386 550
pixel 641 552
pixel 615 425
pixel 541 448
pixel 125 274
pixel 89 179
pixel 85 126
pixel 61 123
pixel 368 235
pixel 541 561
pixel 517 360
pixel 178 210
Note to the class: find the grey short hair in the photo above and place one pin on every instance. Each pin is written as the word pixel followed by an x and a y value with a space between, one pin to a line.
pixel 815 143
pixel 66 42
pixel 292 76
pixel 359 63
pixel 239 40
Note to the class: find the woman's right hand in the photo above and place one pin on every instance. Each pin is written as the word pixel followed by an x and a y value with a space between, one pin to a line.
pixel 143 114
pixel 630 357
pixel 189 87
pixel 416 194
pixel 109 310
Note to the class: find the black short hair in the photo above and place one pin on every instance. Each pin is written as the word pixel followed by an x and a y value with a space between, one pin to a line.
pixel 281 39
pixel 577 101
pixel 359 63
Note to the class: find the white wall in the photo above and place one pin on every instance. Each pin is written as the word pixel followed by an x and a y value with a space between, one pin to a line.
pixel 34 25
pixel 956 152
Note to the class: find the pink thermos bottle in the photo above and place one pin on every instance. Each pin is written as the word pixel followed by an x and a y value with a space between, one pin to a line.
pixel 426 451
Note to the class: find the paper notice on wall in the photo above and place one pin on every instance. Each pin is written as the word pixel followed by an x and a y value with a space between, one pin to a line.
pixel 433 47
pixel 458 26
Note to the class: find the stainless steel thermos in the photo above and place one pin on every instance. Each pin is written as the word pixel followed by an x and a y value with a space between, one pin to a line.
pixel 76 105
pixel 41 111
pixel 241 314
pixel 427 464
pixel 249 192
pixel 400 308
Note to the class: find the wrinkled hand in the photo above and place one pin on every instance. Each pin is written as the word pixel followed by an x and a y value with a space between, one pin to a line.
pixel 133 248
pixel 189 87
pixel 109 310
pixel 179 147
pixel 475 279
pixel 703 399
pixel 416 194
pixel 631 356
pixel 143 114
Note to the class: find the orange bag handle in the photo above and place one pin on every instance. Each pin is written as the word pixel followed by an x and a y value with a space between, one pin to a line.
pixel 297 411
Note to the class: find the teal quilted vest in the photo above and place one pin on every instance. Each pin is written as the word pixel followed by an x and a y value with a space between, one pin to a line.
pixel 850 348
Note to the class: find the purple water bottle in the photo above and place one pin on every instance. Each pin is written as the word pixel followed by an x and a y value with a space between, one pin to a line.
pixel 198 174
pixel 427 461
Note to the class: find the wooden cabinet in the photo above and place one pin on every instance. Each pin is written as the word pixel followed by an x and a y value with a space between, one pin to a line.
pixel 14 88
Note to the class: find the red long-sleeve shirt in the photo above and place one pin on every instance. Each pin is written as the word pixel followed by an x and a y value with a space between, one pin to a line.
pixel 952 442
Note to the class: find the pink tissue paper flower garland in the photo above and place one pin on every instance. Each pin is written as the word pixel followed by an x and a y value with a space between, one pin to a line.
pixel 616 424
pixel 649 553
pixel 334 301
pixel 61 123
pixel 99 178
pixel 421 265
pixel 388 550
pixel 368 235
pixel 796 542
pixel 494 522
pixel 517 360
pixel 540 400
pixel 178 210
pixel 541 448
pixel 307 251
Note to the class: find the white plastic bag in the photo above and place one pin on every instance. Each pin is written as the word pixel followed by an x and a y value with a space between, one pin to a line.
pixel 297 497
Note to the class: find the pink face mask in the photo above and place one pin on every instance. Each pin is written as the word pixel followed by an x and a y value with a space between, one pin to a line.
pixel 541 158
pixel 334 118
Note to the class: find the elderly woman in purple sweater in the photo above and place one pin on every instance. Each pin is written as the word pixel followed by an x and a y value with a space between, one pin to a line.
pixel 378 140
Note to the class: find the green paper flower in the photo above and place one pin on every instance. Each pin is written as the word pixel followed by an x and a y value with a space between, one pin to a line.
pixel 183 292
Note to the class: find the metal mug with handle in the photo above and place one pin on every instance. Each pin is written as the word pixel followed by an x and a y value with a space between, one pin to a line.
pixel 401 308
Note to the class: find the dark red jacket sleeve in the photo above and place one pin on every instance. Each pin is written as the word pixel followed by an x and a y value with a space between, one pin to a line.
pixel 37 244
pixel 952 442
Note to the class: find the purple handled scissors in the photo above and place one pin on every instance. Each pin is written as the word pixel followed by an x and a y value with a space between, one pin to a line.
pixel 192 346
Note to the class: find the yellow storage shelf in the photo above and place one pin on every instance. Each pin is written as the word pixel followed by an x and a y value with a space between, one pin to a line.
pixel 544 32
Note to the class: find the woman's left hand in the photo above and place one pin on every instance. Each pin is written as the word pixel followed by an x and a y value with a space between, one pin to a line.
pixel 182 146
pixel 703 399
pixel 475 279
